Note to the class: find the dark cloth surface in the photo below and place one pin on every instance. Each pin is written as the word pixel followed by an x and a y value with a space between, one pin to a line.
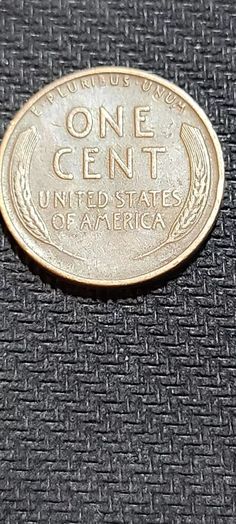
pixel 119 406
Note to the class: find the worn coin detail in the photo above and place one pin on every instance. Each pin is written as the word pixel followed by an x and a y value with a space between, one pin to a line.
pixel 110 176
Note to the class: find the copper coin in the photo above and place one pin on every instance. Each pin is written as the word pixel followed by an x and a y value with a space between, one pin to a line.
pixel 110 176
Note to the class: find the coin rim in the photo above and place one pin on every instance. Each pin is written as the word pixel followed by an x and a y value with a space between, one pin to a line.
pixel 193 246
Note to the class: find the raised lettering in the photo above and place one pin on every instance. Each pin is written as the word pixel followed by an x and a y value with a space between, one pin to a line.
pixel 85 222
pixel 60 197
pixel 106 117
pixel 177 198
pixel 143 224
pixel 88 122
pixel 102 218
pixel 114 160
pixel 58 221
pixel 88 159
pixel 158 220
pixel 153 158
pixel 36 111
pixel 139 119
pixel 56 163
pixel 44 197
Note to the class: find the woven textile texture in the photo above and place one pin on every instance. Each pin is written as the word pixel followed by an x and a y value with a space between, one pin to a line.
pixel 119 406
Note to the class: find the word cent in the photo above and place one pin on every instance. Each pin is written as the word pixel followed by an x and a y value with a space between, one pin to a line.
pixel 110 176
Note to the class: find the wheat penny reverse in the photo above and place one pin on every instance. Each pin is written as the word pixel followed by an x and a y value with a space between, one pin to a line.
pixel 110 176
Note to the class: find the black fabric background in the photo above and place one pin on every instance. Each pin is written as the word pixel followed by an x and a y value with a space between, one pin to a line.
pixel 119 406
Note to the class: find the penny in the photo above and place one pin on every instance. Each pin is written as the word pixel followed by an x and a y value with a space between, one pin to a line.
pixel 110 176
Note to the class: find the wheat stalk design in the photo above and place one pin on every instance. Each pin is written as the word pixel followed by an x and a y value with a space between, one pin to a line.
pixel 193 206
pixel 20 189
pixel 198 190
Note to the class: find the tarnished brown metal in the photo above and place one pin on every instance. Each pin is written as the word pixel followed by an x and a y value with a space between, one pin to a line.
pixel 110 176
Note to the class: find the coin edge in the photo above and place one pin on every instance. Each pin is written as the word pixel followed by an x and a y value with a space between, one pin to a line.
pixel 187 252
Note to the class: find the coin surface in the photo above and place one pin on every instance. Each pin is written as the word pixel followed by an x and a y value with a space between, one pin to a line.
pixel 110 176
